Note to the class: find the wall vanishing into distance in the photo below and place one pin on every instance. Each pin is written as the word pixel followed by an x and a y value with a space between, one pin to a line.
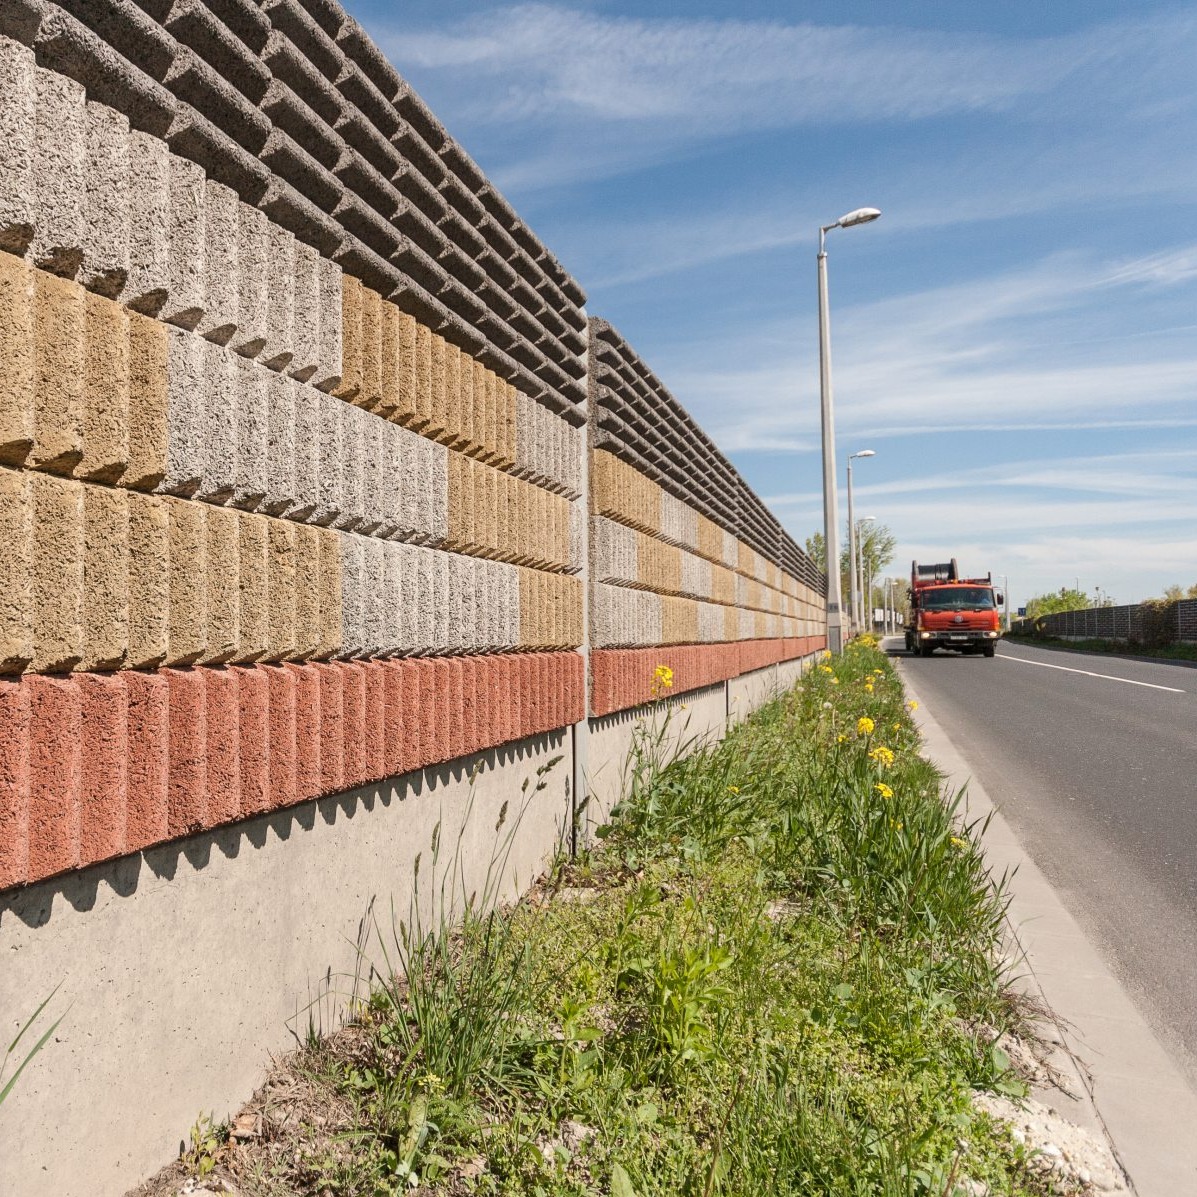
pixel 321 500
pixel 1153 624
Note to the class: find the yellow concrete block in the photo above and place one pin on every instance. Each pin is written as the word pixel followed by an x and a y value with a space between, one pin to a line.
pixel 731 624
pixel 405 370
pixel 17 353
pixel 435 427
pixel 105 578
pixel 224 585
pixel 149 580
pixel 452 436
pixel 253 557
pixel 280 584
pixel 56 573
pixel 146 425
pixel 423 377
pixel 188 527
pixel 510 430
pixel 351 338
pixel 307 590
pixel 371 393
pixel 16 594
pixel 59 371
pixel 331 626
pixel 390 338
pixel 105 390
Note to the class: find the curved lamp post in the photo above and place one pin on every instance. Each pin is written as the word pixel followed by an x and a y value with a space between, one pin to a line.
pixel 835 631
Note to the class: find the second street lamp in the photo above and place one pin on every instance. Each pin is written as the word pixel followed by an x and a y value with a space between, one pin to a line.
pixel 831 532
pixel 853 591
pixel 860 568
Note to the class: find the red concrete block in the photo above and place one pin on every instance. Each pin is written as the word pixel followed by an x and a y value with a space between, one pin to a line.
pixel 55 728
pixel 148 770
pixel 285 783
pixel 307 731
pixel 255 737
pixel 438 712
pixel 104 719
pixel 533 691
pixel 487 712
pixel 376 720
pixel 187 781
pixel 508 698
pixel 353 723
pixel 395 683
pixel 332 728
pixel 14 782
pixel 469 742
pixel 417 711
pixel 223 714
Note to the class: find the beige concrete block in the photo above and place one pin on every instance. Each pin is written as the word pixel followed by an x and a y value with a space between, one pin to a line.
pixel 492 511
pixel 224 585
pixel 253 549
pixel 423 378
pixel 280 584
pixel 453 436
pixel 17 354
pixel 390 337
pixel 105 578
pixel 147 423
pixel 371 393
pixel 461 498
pixel 105 390
pixel 470 420
pixel 56 573
pixel 331 612
pixel 59 371
pixel 149 581
pixel 484 413
pixel 505 398
pixel 406 381
pixel 530 607
pixel 16 594
pixel 731 624
pixel 188 527
pixel 308 627
pixel 188 581
pixel 351 338
pixel 435 427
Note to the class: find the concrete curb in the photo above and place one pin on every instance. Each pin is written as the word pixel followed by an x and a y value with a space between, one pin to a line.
pixel 1131 1090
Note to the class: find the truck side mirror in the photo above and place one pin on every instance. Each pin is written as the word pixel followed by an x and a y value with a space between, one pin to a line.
pixel 1001 600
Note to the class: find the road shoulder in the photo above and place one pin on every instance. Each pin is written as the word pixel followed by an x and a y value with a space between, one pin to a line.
pixel 1128 1084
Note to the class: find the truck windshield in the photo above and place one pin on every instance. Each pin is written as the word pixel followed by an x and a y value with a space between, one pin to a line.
pixel 957 598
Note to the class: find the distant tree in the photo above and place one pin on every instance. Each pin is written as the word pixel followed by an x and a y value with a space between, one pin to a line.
pixel 1174 593
pixel 877 544
pixel 1049 604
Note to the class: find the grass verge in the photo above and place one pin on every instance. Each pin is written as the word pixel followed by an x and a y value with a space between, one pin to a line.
pixel 1113 648
pixel 777 973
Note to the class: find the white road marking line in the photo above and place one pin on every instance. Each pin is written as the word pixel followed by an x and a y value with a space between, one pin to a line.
pixel 1109 677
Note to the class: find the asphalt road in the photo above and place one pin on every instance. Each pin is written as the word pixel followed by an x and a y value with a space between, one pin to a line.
pixel 1093 761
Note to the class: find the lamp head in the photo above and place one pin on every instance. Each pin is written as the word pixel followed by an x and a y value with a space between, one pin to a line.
pixel 866 453
pixel 859 216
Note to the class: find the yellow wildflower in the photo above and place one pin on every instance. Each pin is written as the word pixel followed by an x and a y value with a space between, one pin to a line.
pixel 882 755
pixel 878 672
pixel 912 705
pixel 957 842
pixel 840 739
pixel 864 726
pixel 869 688
pixel 897 727
pixel 895 825
pixel 835 681
pixel 826 669
pixel 827 654
pixel 662 680
pixel 733 789
pixel 884 790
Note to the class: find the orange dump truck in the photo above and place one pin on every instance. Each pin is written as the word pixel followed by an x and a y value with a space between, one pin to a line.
pixel 948 611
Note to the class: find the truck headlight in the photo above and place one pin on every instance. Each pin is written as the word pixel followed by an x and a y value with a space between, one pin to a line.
pixel 991 635
pixel 924 635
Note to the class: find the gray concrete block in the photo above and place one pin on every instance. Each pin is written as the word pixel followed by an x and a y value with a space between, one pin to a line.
pixel 435 511
pixel 390 493
pixel 511 630
pixel 329 471
pixel 305 317
pixel 376 616
pixel 105 266
pixel 353 582
pixel 307 402
pixel 302 125
pixel 221 419
pixel 613 556
pixel 244 18
pixel 403 595
pixel 221 249
pixel 459 579
pixel 577 536
pixel 198 85
pixel 328 375
pixel 149 223
pixel 253 279
pixel 441 629
pixel 696 576
pixel 280 299
pixel 476 600
pixel 18 137
pixel 186 443
pixel 373 472
pixel 60 174
pixel 296 213
pixel 353 438
pixel 20 20
pixel 195 137
pixel 710 623
pixel 290 160
pixel 184 303
pixel 251 484
pixel 281 497
pixel 194 24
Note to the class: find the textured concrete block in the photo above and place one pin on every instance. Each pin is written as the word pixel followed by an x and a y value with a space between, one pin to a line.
pixel 308 404
pixel 405 369
pixel 16 593
pixel 353 700
pixel 105 437
pixel 332 727
pixel 147 766
pixel 185 300
pixel 187 777
pixel 330 414
pixel 59 371
pixel 353 598
pixel 307 730
pixel 56 573
pixel 60 224
pixel 224 585
pixel 105 245
pixel 370 394
pixel 331 599
pixel 328 376
pixel 389 336
pixel 55 739
pixel 351 338
pixel 375 613
pixel 187 526
pixel 281 589
pixel 281 495
pixel 18 137
pixel 149 192
pixel 308 627
pixel 436 427
pixel 374 721
pixel 222 720
pixel 148 581
pixel 353 456
pixel 103 766
pixel 147 423
pixel 253 556
pixel 305 317
pixel 253 280
pixel 247 702
pixel 188 385
pixel 280 299
pixel 251 482
pixel 17 337
pixel 440 632
pixel 14 779
pixel 105 609
pixel 221 419
pixel 278 787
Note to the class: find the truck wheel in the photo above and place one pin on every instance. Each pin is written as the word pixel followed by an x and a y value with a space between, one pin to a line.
pixel 925 650
pixel 989 650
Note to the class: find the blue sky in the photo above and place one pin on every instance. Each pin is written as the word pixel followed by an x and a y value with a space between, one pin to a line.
pixel 1016 338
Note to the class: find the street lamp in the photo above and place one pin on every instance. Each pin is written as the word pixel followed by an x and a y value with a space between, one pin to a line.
pixel 860 571
pixel 835 636
pixel 1006 600
pixel 853 591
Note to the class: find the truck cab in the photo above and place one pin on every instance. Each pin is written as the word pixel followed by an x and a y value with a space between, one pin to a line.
pixel 948 611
